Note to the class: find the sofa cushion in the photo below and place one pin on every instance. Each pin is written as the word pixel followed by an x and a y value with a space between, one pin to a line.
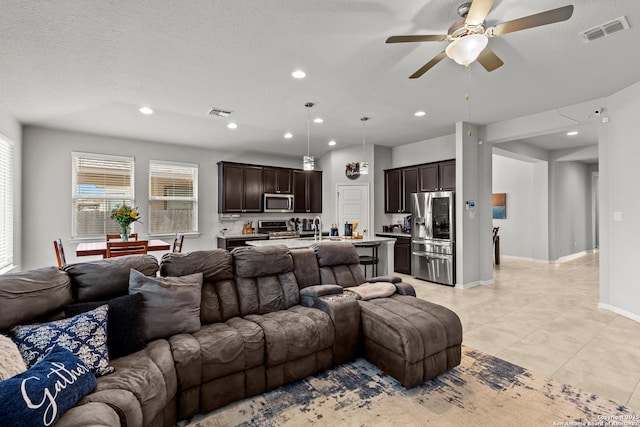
pixel 214 265
pixel 40 395
pixel 124 324
pixel 11 362
pixel 170 305
pixel 294 333
pixel 33 294
pixel 141 387
pixel 107 278
pixel 369 291
pixel 335 253
pixel 85 335
pixel 262 260
pixel 305 267
pixel 217 350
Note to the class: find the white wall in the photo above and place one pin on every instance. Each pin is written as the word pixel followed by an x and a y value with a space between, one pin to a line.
pixel 619 174
pixel 333 166
pixel 569 208
pixel 524 233
pixel 46 170
pixel 431 150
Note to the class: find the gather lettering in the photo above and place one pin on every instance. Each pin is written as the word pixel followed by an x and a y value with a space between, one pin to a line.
pixel 65 377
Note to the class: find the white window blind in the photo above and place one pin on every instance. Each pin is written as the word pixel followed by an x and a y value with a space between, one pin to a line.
pixel 173 197
pixel 6 203
pixel 100 183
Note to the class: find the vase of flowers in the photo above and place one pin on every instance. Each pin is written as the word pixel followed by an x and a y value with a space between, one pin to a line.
pixel 125 216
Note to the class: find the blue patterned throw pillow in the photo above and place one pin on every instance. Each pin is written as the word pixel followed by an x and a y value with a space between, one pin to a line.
pixel 85 335
pixel 40 395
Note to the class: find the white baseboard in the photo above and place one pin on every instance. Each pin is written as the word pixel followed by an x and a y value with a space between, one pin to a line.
pixel 570 257
pixel 474 284
pixel 521 258
pixel 620 311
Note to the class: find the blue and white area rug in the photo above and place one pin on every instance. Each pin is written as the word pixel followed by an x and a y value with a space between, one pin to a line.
pixel 482 391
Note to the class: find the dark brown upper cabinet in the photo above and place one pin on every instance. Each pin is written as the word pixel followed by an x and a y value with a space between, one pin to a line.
pixel 277 180
pixel 307 191
pixel 239 188
pixel 401 182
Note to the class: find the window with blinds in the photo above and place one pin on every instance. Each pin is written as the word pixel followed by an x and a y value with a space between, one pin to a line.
pixel 100 183
pixel 6 203
pixel 173 197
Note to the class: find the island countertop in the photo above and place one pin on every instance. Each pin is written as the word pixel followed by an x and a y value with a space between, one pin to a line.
pixel 307 242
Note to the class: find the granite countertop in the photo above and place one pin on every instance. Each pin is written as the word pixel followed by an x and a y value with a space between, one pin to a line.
pixel 306 242
pixel 393 234
pixel 244 236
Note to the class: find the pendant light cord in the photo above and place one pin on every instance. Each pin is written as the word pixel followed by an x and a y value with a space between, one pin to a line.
pixel 364 120
pixel 308 105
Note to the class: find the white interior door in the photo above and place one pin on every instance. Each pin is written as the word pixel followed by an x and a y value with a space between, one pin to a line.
pixel 353 205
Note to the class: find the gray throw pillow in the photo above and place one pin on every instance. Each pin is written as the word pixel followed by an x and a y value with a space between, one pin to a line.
pixel 170 305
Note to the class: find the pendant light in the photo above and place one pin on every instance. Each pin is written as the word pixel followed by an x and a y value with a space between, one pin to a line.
pixel 364 165
pixel 307 161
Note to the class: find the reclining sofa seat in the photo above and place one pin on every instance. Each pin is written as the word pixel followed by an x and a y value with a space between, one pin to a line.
pixel 255 335
pixel 411 339
pixel 224 360
pixel 142 389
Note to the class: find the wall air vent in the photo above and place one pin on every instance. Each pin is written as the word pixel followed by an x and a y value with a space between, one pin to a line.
pixel 605 29
pixel 219 112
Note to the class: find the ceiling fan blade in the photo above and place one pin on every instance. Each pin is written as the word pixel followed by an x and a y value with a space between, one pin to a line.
pixel 543 18
pixel 489 60
pixel 426 67
pixel 410 39
pixel 478 11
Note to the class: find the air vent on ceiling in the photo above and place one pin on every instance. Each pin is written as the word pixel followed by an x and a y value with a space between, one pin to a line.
pixel 219 112
pixel 605 29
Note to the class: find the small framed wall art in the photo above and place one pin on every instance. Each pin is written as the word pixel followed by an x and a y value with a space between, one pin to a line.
pixel 499 205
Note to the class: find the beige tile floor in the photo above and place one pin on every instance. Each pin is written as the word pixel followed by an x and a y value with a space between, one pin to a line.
pixel 544 317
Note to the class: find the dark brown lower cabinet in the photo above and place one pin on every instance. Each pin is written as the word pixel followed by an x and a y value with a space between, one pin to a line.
pixel 402 255
pixel 230 243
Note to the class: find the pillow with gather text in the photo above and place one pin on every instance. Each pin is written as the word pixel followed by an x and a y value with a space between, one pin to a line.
pixel 124 325
pixel 40 395
pixel 85 335
pixel 170 305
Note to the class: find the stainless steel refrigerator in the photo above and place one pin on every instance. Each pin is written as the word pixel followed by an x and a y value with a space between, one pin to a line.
pixel 433 237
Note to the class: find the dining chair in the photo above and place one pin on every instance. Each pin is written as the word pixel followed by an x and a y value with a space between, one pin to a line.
pixel 135 247
pixel 177 243
pixel 132 236
pixel 62 260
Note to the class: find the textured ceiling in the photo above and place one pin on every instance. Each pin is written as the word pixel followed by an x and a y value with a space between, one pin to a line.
pixel 88 65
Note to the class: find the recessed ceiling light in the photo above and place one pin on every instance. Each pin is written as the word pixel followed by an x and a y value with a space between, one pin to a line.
pixel 299 74
pixel 572 133
pixel 232 125
pixel 419 113
pixel 332 143
pixel 145 110
pixel 318 120
pixel 288 135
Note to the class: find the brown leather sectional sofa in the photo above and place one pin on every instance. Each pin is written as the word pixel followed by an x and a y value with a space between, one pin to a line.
pixel 268 316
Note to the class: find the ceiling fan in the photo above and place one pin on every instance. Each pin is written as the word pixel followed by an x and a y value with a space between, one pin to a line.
pixel 468 37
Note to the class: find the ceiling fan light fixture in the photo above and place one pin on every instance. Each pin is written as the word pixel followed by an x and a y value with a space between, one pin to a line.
pixel 466 49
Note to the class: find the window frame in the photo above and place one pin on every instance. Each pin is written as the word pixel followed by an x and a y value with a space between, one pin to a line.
pixel 194 199
pixel 7 190
pixel 108 200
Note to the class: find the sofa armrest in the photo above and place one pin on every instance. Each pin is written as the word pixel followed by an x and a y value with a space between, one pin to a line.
pixel 403 288
pixel 344 311
pixel 93 413
pixel 309 294
pixel 390 279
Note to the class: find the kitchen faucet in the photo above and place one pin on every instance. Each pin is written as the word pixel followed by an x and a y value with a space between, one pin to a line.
pixel 317 227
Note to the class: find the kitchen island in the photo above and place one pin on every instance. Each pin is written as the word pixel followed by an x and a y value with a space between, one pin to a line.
pixel 385 251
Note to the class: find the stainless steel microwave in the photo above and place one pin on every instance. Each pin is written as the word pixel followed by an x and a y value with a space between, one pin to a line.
pixel 278 202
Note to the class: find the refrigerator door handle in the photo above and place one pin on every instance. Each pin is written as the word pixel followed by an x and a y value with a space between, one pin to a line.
pixel 431 255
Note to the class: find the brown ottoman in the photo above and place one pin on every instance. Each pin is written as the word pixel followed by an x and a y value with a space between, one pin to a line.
pixel 410 339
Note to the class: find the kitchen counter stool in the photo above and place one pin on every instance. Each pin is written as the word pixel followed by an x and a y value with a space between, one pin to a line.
pixel 372 259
